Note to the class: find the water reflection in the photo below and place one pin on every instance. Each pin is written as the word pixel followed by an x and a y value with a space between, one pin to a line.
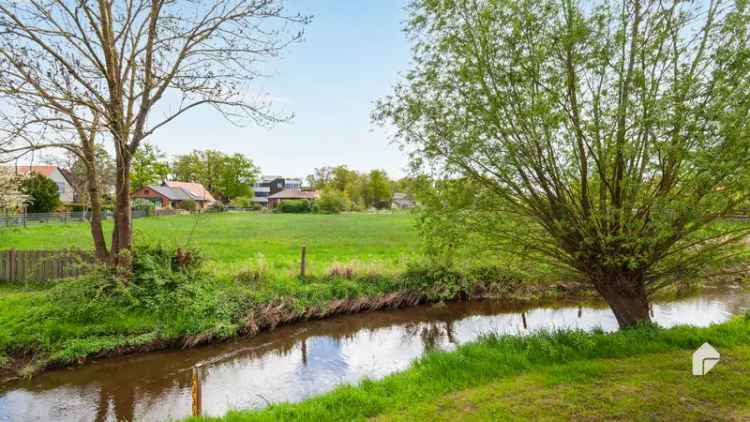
pixel 297 361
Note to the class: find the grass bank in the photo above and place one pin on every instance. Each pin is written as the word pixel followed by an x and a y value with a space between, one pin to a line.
pixel 166 306
pixel 636 374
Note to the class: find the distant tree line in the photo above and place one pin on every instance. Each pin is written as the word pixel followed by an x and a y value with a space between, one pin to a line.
pixel 343 189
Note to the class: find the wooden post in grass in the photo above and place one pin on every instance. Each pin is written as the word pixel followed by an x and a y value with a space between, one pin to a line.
pixel 302 264
pixel 197 399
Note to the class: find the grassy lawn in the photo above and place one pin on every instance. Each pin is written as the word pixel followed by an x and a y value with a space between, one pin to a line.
pixel 639 374
pixel 649 387
pixel 230 240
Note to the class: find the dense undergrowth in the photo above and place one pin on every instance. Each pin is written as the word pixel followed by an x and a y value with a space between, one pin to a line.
pixel 499 357
pixel 171 302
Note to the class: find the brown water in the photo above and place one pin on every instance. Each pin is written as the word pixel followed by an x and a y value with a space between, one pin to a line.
pixel 297 361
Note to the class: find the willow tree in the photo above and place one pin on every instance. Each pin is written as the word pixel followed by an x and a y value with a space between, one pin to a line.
pixel 119 70
pixel 617 130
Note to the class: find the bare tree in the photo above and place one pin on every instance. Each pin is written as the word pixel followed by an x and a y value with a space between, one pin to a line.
pixel 120 70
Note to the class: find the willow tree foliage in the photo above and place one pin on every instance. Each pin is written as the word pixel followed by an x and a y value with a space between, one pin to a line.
pixel 616 130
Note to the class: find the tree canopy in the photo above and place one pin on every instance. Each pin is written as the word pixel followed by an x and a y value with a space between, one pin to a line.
pixel 43 194
pixel 618 132
pixel 149 167
pixel 361 190
pixel 226 176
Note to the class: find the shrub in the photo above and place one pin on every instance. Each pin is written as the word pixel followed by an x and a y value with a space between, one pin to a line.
pixel 144 205
pixel 242 202
pixel 295 206
pixel 217 206
pixel 188 205
pixel 438 282
pixel 506 280
pixel 75 207
pixel 256 273
pixel 45 196
pixel 333 201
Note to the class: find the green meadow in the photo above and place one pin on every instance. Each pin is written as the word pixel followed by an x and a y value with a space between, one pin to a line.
pixel 229 240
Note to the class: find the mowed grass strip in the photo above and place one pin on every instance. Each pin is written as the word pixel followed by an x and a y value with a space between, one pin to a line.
pixel 549 369
pixel 230 239
pixel 650 387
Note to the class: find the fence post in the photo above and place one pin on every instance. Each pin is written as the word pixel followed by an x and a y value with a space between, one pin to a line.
pixel 12 264
pixel 302 263
pixel 197 399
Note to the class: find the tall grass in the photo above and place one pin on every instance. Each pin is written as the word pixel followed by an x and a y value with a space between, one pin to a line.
pixel 489 359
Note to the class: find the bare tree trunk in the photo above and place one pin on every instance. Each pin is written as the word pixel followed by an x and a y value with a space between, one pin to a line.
pixel 627 297
pixel 122 235
pixel 100 245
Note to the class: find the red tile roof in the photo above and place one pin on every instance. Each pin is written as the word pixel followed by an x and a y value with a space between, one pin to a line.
pixel 196 190
pixel 45 171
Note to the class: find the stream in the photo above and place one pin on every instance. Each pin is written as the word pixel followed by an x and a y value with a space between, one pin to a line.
pixel 296 361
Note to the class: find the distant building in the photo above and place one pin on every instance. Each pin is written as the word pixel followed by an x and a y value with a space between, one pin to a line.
pixel 62 178
pixel 403 200
pixel 271 185
pixel 171 194
pixel 288 194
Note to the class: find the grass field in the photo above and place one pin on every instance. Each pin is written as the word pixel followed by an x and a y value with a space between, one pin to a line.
pixel 229 240
pixel 249 281
pixel 638 374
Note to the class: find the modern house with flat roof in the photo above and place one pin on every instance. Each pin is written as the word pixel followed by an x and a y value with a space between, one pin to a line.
pixel 271 185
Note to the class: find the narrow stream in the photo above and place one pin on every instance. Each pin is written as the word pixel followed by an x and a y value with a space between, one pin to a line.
pixel 300 360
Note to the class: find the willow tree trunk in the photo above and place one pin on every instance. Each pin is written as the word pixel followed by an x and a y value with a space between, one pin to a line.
pixel 626 297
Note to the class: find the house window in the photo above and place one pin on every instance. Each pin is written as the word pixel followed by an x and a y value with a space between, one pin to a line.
pixel 60 187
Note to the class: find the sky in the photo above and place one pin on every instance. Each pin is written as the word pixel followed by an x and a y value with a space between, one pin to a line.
pixel 352 54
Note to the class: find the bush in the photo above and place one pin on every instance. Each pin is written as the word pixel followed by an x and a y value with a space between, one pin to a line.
pixel 333 201
pixel 242 202
pixel 295 206
pixel 217 206
pixel 506 280
pixel 188 205
pixel 142 204
pixel 75 207
pixel 256 273
pixel 45 196
pixel 437 281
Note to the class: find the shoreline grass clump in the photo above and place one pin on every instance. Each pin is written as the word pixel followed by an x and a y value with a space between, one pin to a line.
pixel 495 358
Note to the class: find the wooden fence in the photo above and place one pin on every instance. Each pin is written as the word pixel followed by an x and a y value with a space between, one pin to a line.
pixel 37 266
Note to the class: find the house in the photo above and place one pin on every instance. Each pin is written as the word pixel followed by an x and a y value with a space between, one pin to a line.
pixel 403 200
pixel 287 194
pixel 171 194
pixel 271 185
pixel 62 178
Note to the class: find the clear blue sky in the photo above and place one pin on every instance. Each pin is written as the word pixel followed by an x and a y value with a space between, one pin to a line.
pixel 352 54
